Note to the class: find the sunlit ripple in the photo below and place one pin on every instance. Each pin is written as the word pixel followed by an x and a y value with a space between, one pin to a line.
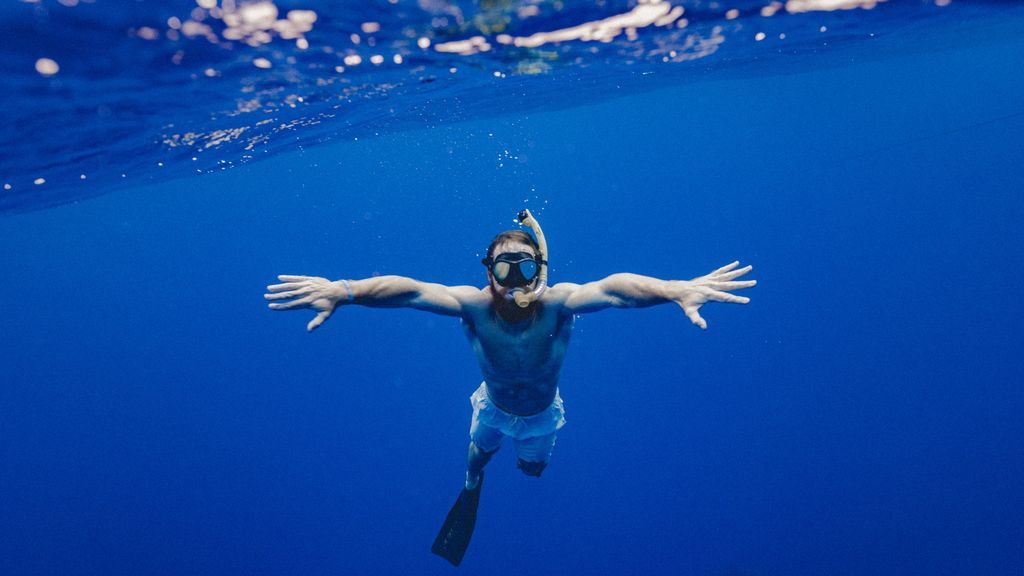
pixel 643 14
pixel 796 6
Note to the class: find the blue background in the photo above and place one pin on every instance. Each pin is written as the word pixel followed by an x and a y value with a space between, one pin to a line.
pixel 860 416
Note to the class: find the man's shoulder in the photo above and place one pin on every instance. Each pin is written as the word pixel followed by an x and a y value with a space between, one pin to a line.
pixel 563 287
pixel 559 292
pixel 471 295
pixel 467 290
pixel 556 295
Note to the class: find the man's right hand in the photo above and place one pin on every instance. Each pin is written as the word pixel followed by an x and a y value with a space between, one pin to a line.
pixel 314 292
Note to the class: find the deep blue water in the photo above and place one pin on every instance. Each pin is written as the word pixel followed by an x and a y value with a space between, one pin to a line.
pixel 862 415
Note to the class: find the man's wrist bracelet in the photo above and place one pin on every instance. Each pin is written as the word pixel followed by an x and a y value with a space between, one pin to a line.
pixel 348 290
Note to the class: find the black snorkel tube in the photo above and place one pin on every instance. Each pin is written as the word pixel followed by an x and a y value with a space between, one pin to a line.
pixel 526 296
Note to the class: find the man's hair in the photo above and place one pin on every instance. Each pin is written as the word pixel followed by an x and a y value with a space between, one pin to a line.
pixel 513 236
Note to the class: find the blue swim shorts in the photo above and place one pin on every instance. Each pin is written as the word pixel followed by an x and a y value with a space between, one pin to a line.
pixel 534 435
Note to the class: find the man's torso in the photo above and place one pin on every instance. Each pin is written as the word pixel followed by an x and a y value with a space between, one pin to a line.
pixel 520 357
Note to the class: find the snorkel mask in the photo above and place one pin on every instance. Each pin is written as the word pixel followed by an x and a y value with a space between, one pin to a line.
pixel 517 270
pixel 513 269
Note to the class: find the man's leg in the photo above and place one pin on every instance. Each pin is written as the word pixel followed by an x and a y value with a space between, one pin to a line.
pixel 529 468
pixel 484 441
pixel 534 453
pixel 485 435
pixel 475 463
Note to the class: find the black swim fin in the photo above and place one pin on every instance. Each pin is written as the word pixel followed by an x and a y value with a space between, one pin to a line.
pixel 453 539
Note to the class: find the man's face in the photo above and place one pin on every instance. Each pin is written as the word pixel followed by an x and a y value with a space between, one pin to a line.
pixel 506 247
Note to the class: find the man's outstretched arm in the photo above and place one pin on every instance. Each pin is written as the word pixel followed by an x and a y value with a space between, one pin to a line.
pixel 323 295
pixel 633 291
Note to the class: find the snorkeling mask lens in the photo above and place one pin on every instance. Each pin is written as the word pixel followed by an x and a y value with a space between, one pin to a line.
pixel 513 269
pixel 529 269
pixel 501 270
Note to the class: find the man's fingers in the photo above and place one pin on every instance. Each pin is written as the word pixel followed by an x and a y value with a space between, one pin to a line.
pixel 734 274
pixel 300 303
pixel 285 286
pixel 287 278
pixel 725 268
pixel 283 295
pixel 731 285
pixel 691 313
pixel 320 318
pixel 726 297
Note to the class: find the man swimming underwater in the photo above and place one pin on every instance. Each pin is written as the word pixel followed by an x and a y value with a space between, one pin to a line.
pixel 519 329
